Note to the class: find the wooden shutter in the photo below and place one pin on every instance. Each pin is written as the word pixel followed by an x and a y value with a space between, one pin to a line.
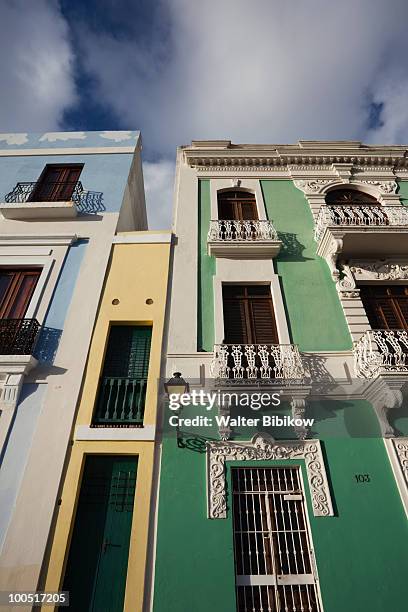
pixel 57 183
pixel 386 306
pixel 237 205
pixel 248 315
pixel 16 289
pixel 128 351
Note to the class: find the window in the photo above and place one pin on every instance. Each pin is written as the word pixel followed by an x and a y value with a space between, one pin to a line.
pixel 237 205
pixel 56 183
pixel 349 197
pixel 356 208
pixel 122 390
pixel 274 567
pixel 16 289
pixel 248 315
pixel 386 305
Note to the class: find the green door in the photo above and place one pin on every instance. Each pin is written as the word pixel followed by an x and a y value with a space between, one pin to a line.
pixel 97 564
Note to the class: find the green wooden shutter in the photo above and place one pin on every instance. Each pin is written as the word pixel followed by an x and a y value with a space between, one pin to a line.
pixel 123 384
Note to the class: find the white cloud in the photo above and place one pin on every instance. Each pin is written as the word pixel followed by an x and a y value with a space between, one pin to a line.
pixel 36 73
pixel 14 139
pixel 159 185
pixel 117 136
pixel 54 136
pixel 262 71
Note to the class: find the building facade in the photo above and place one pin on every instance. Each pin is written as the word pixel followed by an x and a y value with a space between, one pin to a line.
pixel 100 541
pixel 64 196
pixel 289 274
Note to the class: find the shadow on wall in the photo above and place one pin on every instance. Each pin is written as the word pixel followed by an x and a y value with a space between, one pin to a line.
pixel 47 345
pixel 291 249
pixel 91 202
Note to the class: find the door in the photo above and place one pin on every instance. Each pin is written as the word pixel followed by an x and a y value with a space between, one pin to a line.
pixel 386 306
pixel 97 564
pixel 274 563
pixel 16 289
pixel 57 183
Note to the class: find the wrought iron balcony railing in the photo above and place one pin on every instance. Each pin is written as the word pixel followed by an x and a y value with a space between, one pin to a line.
pixel 231 230
pixel 359 216
pixel 380 351
pixel 121 402
pixel 257 362
pixel 51 191
pixel 18 336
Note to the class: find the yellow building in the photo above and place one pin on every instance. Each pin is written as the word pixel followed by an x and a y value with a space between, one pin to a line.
pixel 99 545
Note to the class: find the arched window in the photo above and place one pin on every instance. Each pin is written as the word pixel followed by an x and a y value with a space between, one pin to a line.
pixel 349 197
pixel 350 207
pixel 237 205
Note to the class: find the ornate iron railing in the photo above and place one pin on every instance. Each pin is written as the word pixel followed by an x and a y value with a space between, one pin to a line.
pixel 359 216
pixel 256 362
pixel 18 336
pixel 381 350
pixel 121 402
pixel 231 230
pixel 51 191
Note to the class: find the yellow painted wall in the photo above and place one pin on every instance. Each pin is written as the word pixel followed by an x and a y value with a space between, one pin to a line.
pixel 137 273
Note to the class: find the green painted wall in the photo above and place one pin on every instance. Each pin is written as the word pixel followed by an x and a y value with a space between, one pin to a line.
pixel 403 192
pixel 310 296
pixel 360 553
pixel 206 271
pixel 360 557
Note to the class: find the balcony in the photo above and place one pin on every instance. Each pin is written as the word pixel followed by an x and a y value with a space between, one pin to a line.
pixel 256 363
pixel 18 336
pixel 364 230
pixel 62 199
pixel 243 239
pixel 381 351
pixel 121 402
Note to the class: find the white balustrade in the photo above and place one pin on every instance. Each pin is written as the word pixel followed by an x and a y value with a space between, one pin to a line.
pixel 236 231
pixel 359 216
pixel 381 350
pixel 251 362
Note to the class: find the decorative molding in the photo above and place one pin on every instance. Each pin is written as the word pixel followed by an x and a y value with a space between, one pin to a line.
pixel 401 451
pixel 385 187
pixel 380 269
pixel 313 186
pixel 263 447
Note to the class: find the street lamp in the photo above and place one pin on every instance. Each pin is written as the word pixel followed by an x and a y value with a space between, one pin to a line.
pixel 176 385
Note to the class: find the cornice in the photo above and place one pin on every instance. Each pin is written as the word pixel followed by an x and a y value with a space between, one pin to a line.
pixel 310 155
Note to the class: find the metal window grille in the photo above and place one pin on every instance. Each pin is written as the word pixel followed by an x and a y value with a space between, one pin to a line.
pixel 274 561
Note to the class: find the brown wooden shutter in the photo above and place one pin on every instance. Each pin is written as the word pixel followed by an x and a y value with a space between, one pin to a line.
pixel 16 290
pixel 248 315
pixel 56 183
pixel 386 306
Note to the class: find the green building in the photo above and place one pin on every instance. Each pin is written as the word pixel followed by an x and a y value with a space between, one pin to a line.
pixel 290 280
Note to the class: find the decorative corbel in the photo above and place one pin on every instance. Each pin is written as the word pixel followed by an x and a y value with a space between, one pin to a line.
pixel 336 247
pixel 346 286
pixel 299 412
pixel 386 395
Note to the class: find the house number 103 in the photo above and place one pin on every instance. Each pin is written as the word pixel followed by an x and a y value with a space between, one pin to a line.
pixel 362 477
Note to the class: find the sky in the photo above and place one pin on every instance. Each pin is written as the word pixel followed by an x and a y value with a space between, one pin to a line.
pixel 259 71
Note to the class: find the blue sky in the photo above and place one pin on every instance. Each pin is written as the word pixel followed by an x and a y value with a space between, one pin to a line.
pixel 262 71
